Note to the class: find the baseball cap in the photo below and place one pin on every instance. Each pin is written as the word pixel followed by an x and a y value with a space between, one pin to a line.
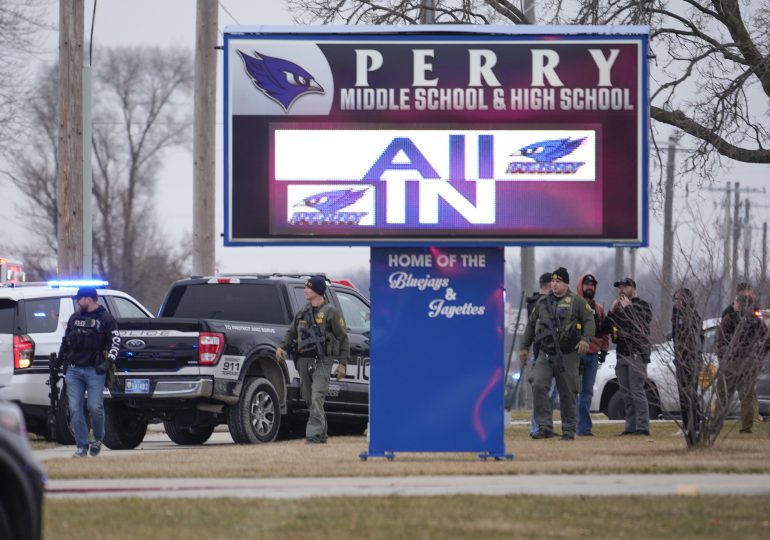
pixel 545 278
pixel 86 292
pixel 590 278
pixel 625 281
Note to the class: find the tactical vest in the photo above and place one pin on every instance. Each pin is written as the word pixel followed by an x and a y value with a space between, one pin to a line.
pixel 87 334
pixel 313 332
pixel 563 314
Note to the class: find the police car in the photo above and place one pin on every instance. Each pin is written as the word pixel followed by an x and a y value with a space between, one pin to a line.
pixel 33 318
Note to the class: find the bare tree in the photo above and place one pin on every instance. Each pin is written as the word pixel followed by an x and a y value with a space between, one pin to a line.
pixel 137 116
pixel 141 109
pixel 19 25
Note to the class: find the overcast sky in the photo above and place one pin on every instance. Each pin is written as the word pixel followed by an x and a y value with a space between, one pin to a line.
pixel 172 22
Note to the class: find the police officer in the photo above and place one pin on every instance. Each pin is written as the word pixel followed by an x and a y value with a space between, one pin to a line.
pixel 317 336
pixel 562 323
pixel 88 351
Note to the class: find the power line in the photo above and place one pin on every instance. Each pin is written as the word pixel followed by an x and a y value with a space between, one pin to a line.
pixel 228 12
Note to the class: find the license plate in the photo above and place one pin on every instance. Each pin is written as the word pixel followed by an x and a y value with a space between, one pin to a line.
pixel 137 386
pixel 334 390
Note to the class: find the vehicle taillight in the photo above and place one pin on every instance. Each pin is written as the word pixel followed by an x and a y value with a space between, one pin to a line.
pixel 210 347
pixel 23 351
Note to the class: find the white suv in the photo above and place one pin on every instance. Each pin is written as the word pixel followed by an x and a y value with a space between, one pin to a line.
pixel 662 391
pixel 33 318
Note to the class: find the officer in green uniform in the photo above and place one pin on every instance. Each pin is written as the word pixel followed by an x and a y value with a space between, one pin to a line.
pixel 316 338
pixel 562 324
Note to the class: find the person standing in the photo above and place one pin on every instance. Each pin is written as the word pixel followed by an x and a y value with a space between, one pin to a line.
pixel 317 337
pixel 687 335
pixel 88 351
pixel 562 324
pixel 589 363
pixel 742 341
pixel 545 289
pixel 628 322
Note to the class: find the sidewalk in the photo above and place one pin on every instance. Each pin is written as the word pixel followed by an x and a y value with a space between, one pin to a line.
pixel 292 488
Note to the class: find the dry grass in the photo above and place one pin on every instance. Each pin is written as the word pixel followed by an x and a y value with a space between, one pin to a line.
pixel 490 518
pixel 604 453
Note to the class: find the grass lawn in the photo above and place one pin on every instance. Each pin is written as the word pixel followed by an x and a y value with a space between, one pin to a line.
pixel 701 517
pixel 605 453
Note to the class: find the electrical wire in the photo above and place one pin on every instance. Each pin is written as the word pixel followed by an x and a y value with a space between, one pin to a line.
pixel 91 39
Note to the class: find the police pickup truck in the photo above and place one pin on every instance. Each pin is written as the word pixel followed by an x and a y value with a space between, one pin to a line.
pixel 209 359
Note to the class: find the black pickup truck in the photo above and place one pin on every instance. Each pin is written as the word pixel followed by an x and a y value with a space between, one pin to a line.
pixel 209 359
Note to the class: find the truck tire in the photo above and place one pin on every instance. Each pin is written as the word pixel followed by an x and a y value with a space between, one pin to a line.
pixel 616 407
pixel 63 430
pixel 188 435
pixel 124 429
pixel 256 418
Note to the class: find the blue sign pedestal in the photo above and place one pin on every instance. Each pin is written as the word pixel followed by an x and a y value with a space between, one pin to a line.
pixel 437 351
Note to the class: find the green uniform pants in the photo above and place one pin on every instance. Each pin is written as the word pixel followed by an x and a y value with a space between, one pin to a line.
pixel 546 368
pixel 314 388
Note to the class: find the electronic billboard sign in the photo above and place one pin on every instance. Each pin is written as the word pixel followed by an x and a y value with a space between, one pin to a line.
pixel 483 135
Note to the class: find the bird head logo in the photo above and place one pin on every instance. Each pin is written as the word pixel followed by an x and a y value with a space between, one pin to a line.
pixel 331 202
pixel 280 80
pixel 549 151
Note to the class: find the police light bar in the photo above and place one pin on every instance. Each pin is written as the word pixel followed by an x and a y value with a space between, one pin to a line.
pixel 78 283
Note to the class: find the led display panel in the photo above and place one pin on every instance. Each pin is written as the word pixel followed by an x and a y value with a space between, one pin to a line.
pixel 459 134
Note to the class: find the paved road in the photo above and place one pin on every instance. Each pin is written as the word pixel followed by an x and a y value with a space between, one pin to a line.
pixel 280 488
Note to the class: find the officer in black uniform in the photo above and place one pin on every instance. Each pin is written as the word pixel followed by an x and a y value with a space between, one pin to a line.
pixel 88 352
pixel 316 338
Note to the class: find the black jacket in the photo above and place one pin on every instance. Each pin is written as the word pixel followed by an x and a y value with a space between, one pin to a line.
pixel 630 328
pixel 687 334
pixel 89 338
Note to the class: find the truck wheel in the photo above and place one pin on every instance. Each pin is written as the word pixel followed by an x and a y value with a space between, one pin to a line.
pixel 188 435
pixel 62 428
pixel 256 418
pixel 616 408
pixel 124 429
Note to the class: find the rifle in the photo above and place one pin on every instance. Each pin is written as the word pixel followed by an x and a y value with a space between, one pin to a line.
pixel 315 337
pixel 551 325
pixel 53 395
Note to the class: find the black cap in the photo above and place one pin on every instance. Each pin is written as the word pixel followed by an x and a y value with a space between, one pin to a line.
pixel 545 278
pixel 625 281
pixel 87 292
pixel 590 278
pixel 560 274
pixel 317 284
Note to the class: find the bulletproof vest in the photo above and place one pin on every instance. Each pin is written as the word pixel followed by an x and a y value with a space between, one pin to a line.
pixel 87 334
pixel 311 332
pixel 557 316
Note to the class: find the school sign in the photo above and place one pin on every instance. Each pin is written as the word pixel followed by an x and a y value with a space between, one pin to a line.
pixel 423 135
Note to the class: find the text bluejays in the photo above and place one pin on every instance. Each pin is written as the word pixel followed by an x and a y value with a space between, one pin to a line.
pixel 482 67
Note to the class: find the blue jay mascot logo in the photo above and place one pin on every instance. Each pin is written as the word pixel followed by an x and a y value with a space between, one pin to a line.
pixel 545 154
pixel 282 81
pixel 328 205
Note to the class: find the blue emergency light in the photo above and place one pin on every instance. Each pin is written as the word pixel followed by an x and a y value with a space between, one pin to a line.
pixel 78 283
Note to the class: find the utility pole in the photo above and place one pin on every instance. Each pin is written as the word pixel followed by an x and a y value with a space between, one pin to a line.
pixel 668 237
pixel 428 12
pixel 528 253
pixel 763 263
pixel 204 128
pixel 727 279
pixel 732 232
pixel 736 235
pixel 746 241
pixel 69 168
